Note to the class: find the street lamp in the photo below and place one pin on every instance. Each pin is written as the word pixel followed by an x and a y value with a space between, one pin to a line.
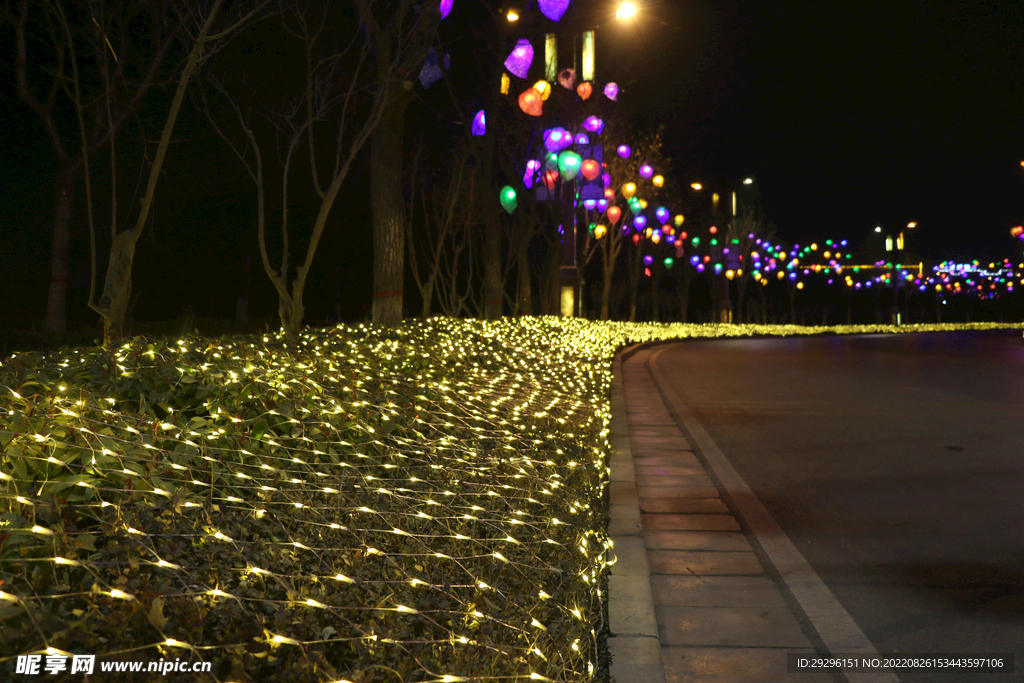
pixel 513 15
pixel 625 11
pixel 696 186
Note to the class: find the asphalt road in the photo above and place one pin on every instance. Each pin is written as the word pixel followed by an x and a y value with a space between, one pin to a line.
pixel 895 464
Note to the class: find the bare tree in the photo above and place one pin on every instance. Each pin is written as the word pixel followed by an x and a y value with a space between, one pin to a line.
pixel 742 235
pixel 94 38
pixel 337 93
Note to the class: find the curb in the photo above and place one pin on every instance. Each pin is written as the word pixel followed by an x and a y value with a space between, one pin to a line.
pixel 635 645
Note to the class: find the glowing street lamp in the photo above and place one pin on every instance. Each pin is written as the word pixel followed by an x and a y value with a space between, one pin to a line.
pixel 748 181
pixel 626 11
pixel 512 15
pixel 696 186
pixel 912 225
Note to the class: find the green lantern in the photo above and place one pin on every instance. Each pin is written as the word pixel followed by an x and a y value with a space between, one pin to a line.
pixel 569 164
pixel 635 206
pixel 668 263
pixel 590 228
pixel 508 199
pixel 551 161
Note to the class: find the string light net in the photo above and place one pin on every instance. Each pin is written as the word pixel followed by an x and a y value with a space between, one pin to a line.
pixel 418 504
pixel 422 498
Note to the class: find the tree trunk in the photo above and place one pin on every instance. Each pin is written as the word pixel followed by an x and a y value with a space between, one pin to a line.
pixel 606 292
pixel 792 305
pixel 242 305
pixel 428 295
pixel 524 294
pixel 741 292
pixel 938 310
pixel 388 214
pixel 849 306
pixel 60 257
pixel 654 298
pixel 684 298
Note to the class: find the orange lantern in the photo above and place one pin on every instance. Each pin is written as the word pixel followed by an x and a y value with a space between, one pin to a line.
pixel 614 213
pixel 584 90
pixel 531 102
pixel 550 178
pixel 590 169
pixel 600 231
pixel 609 194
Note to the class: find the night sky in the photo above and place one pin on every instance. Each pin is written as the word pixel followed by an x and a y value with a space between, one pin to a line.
pixel 848 115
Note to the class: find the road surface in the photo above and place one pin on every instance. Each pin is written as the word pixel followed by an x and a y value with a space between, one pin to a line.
pixel 895 464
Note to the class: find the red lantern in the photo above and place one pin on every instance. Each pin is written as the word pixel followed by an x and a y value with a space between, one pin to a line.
pixel 584 90
pixel 531 102
pixel 550 178
pixel 614 213
pixel 636 239
pixel 647 272
pixel 682 235
pixel 609 194
pixel 590 169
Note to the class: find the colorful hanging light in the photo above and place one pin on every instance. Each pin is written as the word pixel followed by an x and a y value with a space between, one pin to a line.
pixel 602 204
pixel 551 161
pixel 590 169
pixel 658 180
pixel 508 199
pixel 614 213
pixel 636 238
pixel 611 91
pixel 532 166
pixel 431 71
pixel 606 178
pixel 656 236
pixel 582 139
pixel 506 83
pixel 635 207
pixel 553 9
pixel 669 262
pixel 567 78
pixel 584 90
pixel 662 213
pixel 628 190
pixel 623 151
pixel 531 102
pixel 479 126
pixel 646 171
pixel 648 259
pixel 550 179
pixel 520 59
pixel 639 222
pixel 557 139
pixel 589 204
pixel 445 7
pixel 600 231
pixel 593 124
pixel 544 88
pixel 609 194
pixel 569 164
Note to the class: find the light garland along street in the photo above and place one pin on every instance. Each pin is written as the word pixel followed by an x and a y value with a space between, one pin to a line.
pixel 427 499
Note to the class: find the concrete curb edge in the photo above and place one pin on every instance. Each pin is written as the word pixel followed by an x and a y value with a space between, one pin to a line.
pixel 635 646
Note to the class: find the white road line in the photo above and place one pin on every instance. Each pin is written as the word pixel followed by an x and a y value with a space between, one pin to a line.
pixel 830 619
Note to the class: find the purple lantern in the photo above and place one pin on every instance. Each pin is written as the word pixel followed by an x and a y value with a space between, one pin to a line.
pixel 662 214
pixel 700 267
pixel 648 260
pixel 431 71
pixel 593 124
pixel 582 139
pixel 639 222
pixel 624 151
pixel 479 126
pixel 553 9
pixel 670 239
pixel 694 260
pixel 589 204
pixel 446 7
pixel 611 91
pixel 567 78
pixel 532 166
pixel 607 179
pixel 557 139
pixel 646 171
pixel 602 204
pixel 520 59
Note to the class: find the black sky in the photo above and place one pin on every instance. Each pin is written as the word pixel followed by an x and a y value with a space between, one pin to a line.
pixel 848 114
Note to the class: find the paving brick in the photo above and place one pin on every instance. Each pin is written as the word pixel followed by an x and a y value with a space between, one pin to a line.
pixel 715 591
pixel 703 563
pixel 732 626
pixel 734 665
pixel 682 505
pixel 676 459
pixel 690 522
pixel 689 480
pixel 695 540
pixel 668 470
pixel 623 492
pixel 676 491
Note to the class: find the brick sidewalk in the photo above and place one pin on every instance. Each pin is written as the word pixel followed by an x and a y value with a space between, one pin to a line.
pixel 720 617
